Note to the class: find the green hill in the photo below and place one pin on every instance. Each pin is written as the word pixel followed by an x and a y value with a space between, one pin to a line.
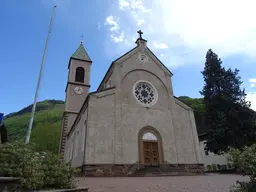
pixel 198 106
pixel 47 123
pixel 46 128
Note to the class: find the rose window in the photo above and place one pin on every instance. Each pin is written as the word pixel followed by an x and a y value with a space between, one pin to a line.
pixel 145 93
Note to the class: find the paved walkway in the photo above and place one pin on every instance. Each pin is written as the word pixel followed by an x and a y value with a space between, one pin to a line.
pixel 207 183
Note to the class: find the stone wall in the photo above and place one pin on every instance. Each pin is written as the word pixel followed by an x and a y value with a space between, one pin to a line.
pixel 109 170
pixel 10 184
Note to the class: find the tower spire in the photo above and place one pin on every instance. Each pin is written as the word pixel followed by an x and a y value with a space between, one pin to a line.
pixel 81 53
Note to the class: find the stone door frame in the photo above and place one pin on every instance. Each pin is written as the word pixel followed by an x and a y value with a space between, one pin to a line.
pixel 140 145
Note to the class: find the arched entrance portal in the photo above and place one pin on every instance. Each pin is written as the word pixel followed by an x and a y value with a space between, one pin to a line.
pixel 150 147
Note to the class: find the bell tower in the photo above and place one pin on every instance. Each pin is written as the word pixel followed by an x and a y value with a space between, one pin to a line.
pixel 77 89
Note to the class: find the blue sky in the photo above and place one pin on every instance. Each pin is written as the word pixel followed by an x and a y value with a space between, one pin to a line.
pixel 178 32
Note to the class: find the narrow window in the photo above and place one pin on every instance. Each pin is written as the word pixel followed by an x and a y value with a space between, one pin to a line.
pixel 79 74
pixel 206 152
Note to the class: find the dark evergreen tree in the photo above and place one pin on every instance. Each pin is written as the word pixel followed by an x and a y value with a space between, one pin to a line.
pixel 228 119
pixel 3 134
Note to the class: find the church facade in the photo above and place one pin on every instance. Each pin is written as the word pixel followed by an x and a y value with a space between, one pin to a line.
pixel 131 122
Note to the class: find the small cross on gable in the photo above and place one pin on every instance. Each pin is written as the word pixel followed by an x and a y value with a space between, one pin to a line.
pixel 140 34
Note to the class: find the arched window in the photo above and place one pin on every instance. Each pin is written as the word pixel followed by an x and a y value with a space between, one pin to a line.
pixel 79 74
pixel 149 136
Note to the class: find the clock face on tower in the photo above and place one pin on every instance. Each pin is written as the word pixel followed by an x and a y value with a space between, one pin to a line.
pixel 78 90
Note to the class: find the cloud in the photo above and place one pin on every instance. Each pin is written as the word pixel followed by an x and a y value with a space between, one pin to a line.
pixel 251 96
pixel 136 5
pixel 112 22
pixel 116 35
pixel 140 22
pixel 160 45
pixel 123 4
pixel 252 80
pixel 190 28
pixel 117 39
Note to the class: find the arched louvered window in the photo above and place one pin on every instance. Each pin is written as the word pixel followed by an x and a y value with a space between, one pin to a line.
pixel 79 74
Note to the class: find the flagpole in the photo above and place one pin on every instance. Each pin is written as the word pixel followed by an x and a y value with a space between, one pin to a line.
pixel 39 80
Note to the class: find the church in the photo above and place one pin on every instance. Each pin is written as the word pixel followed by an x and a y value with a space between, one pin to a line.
pixel 131 123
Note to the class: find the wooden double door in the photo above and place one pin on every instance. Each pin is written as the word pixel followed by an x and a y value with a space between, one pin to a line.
pixel 150 153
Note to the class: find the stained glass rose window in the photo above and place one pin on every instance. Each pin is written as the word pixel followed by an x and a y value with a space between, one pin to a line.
pixel 145 93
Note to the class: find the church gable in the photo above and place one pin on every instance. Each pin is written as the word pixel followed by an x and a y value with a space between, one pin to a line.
pixel 108 80
pixel 143 56
pixel 159 63
pixel 143 60
pixel 138 57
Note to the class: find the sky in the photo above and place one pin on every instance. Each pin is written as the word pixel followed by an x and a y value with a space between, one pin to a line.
pixel 179 32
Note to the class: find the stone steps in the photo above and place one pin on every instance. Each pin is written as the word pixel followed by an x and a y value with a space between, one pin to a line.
pixel 157 174
pixel 156 171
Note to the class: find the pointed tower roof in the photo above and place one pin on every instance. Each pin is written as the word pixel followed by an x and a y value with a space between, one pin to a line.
pixel 81 53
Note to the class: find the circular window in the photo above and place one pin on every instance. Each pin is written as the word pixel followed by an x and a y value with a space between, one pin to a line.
pixel 143 58
pixel 145 93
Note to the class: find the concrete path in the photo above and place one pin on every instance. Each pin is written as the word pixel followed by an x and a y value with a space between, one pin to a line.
pixel 207 183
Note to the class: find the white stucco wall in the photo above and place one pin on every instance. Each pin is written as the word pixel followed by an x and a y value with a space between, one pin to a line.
pixel 100 129
pixel 212 158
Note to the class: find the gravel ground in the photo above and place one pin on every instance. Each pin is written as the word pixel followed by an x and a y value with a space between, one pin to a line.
pixel 207 183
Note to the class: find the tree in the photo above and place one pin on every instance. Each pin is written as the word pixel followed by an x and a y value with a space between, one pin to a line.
pixel 3 134
pixel 228 119
pixel 46 136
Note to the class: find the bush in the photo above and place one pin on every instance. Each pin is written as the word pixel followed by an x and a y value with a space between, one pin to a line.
pixel 245 162
pixel 36 170
pixel 245 187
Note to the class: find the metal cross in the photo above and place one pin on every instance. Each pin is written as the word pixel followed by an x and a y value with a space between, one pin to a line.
pixel 82 36
pixel 140 34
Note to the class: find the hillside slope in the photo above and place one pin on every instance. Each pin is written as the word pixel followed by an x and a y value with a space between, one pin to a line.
pixel 46 128
pixel 198 106
pixel 47 123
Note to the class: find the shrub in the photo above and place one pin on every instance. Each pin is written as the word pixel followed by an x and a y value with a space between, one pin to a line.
pixel 36 170
pixel 209 168
pixel 214 168
pixel 245 162
pixel 245 187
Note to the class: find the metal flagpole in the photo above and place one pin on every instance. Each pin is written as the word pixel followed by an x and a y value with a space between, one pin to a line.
pixel 38 82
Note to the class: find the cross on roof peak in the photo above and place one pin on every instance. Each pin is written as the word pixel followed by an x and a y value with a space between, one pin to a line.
pixel 82 37
pixel 140 34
